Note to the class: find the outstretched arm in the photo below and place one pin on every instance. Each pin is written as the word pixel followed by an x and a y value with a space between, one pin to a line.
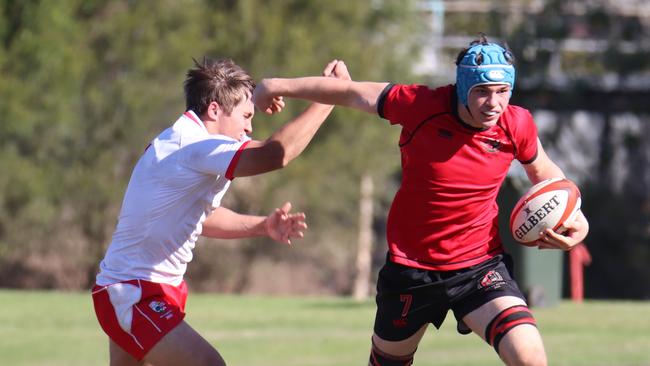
pixel 288 141
pixel 280 225
pixel 336 91
pixel 576 230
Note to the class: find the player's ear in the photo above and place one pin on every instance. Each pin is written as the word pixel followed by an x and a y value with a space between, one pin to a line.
pixel 214 110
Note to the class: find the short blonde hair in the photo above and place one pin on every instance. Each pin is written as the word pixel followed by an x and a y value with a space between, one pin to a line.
pixel 221 81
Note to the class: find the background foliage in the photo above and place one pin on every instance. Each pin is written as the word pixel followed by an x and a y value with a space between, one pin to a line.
pixel 85 84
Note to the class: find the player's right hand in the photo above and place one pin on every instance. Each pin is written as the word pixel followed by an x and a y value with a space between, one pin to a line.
pixel 282 226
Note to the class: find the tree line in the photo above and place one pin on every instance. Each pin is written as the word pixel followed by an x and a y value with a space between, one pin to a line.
pixel 85 84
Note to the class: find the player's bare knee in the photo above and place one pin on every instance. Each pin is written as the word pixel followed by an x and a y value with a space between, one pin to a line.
pixel 523 354
pixel 212 359
pixel 533 359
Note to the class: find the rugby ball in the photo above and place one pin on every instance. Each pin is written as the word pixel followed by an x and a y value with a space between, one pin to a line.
pixel 547 204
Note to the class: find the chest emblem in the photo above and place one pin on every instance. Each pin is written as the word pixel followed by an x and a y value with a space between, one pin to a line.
pixel 491 145
pixel 445 133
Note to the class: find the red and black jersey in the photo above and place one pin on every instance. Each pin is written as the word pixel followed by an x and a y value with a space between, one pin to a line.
pixel 444 216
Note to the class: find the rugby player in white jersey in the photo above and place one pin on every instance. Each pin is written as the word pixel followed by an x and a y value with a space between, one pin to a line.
pixel 174 196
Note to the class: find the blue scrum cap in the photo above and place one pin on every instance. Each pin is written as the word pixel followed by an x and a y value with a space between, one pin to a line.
pixel 492 67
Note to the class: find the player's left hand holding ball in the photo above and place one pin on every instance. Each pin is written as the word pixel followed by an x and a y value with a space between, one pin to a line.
pixel 576 232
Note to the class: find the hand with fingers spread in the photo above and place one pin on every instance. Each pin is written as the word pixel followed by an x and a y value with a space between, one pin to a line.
pixel 281 225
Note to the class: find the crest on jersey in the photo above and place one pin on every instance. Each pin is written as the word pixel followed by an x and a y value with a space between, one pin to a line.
pixel 158 306
pixel 491 145
pixel 492 279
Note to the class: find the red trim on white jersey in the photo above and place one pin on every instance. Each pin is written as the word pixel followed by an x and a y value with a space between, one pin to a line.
pixel 233 163
pixel 191 116
pixel 159 184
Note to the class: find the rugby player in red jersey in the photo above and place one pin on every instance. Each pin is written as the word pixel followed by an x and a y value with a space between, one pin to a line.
pixel 444 251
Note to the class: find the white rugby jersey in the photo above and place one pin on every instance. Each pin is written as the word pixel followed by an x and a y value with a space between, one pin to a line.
pixel 178 181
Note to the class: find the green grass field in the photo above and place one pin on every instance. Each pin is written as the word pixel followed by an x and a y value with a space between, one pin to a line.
pixel 57 328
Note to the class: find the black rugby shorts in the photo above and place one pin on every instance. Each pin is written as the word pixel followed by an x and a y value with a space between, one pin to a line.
pixel 407 297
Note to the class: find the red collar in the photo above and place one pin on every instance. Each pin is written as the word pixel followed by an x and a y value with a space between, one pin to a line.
pixel 192 116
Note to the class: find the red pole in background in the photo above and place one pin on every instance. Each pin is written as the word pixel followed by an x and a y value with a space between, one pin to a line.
pixel 579 257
